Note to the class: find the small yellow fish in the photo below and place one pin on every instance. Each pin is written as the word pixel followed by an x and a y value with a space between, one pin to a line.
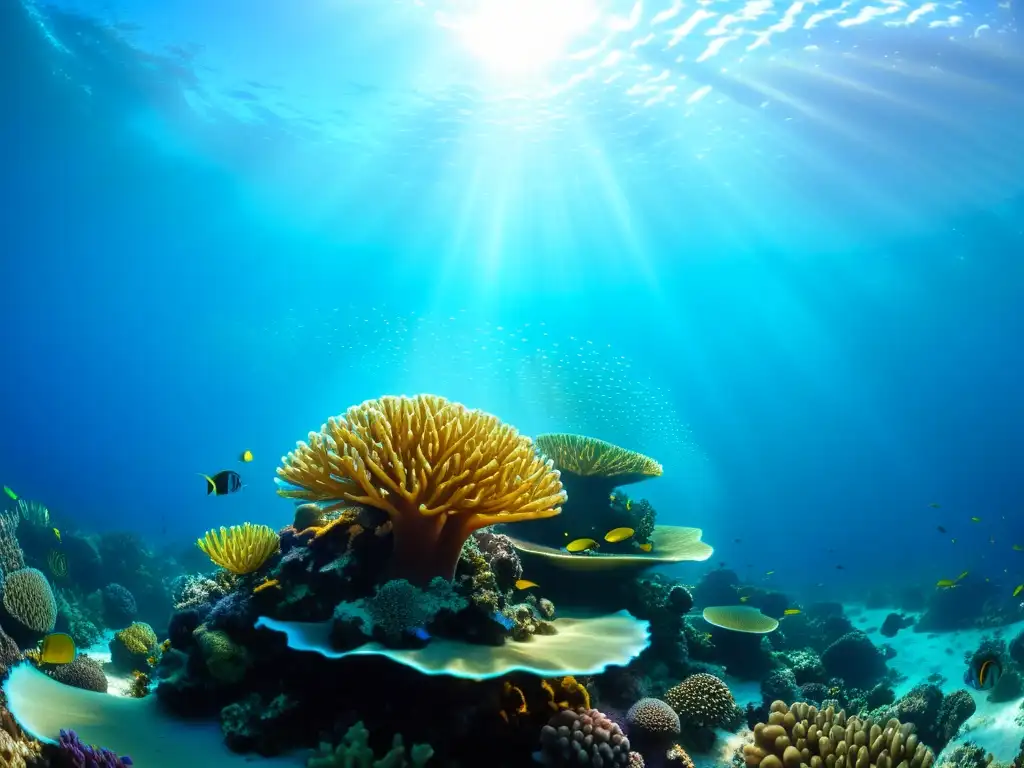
pixel 526 584
pixel 791 612
pixel 1018 548
pixel 57 648
pixel 581 545
pixel 1018 590
pixel 933 505
pixel 246 456
pixel 962 575
pixel 629 505
pixel 612 497
pixel 975 519
pixel 945 583
pixel 768 573
pixel 13 496
pixel 744 598
pixel 618 534
pixel 57 534
pixel 646 547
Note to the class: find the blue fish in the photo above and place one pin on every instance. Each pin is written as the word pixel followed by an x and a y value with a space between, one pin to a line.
pixel 983 672
pixel 420 634
pixel 504 620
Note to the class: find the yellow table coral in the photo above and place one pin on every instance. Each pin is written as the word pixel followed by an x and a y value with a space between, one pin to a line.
pixel 439 470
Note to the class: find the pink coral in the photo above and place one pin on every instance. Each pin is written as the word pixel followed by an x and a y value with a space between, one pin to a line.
pixel 582 737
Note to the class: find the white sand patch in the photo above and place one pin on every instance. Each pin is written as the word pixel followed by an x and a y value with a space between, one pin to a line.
pixel 920 654
pixel 117 681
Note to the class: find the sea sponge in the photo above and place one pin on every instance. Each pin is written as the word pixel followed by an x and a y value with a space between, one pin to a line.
pixel 29 600
pixel 240 548
pixel 582 737
pixel 653 717
pixel 84 672
pixel 438 469
pixel 801 735
pixel 702 700
pixel 132 646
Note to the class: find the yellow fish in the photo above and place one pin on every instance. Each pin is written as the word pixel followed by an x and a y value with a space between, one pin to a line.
pixel 57 534
pixel 526 584
pixel 1018 548
pixel 581 545
pixel 962 575
pixel 612 497
pixel 618 534
pixel 945 583
pixel 768 573
pixel 246 456
pixel 933 505
pixel 1018 590
pixel 629 504
pixel 791 612
pixel 744 598
pixel 13 496
pixel 57 648
pixel 975 519
pixel 646 547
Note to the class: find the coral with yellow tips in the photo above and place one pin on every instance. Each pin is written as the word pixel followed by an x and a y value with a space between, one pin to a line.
pixel 513 702
pixel 438 469
pixel 240 549
pixel 266 584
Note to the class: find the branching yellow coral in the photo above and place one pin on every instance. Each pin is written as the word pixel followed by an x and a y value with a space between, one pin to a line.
pixel 240 548
pixel 590 457
pixel 439 470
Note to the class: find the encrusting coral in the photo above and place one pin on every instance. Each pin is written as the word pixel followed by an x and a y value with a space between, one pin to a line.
pixel 240 549
pixel 801 735
pixel 438 469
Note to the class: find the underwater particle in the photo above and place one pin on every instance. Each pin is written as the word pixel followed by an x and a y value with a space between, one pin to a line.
pixel 581 545
pixel 246 456
pixel 1018 548
pixel 616 535
pixel 740 618
pixel 582 737
pixel 241 548
pixel 391 454
pixel 223 483
pixel 983 672
pixel 701 699
pixel 653 717
pixel 28 599
pixel 940 529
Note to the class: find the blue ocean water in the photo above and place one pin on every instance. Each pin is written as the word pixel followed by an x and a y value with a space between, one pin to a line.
pixel 777 248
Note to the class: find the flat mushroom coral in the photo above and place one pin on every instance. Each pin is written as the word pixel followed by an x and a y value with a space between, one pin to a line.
pixel 740 618
pixel 591 469
pixel 438 469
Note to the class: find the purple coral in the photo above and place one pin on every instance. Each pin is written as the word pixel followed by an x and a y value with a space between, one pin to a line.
pixel 119 607
pixel 582 737
pixel 74 754
pixel 501 556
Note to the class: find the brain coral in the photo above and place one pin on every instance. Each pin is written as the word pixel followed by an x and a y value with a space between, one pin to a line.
pixel 800 736
pixel 582 737
pixel 438 469
pixel 84 672
pixel 701 699
pixel 29 600
pixel 653 717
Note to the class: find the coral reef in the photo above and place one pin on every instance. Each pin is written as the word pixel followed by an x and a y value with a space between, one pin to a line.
pixel 84 672
pixel 702 700
pixel 399 608
pixel 801 735
pixel 131 647
pixel 409 457
pixel 652 722
pixel 72 753
pixel 119 606
pixel 29 602
pixel 354 752
pixel 854 658
pixel 240 549
pixel 583 737
pixel 936 717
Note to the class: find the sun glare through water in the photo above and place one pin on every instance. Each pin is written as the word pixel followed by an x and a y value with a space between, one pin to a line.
pixel 522 37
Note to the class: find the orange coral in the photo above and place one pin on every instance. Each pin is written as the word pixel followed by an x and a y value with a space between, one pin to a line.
pixel 438 469
pixel 513 702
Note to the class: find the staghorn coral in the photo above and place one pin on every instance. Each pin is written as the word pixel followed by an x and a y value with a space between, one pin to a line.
pixel 582 737
pixel 84 672
pixel 29 600
pixel 242 548
pixel 801 735
pixel 438 469
pixel 702 700
pixel 653 717
pixel 354 752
